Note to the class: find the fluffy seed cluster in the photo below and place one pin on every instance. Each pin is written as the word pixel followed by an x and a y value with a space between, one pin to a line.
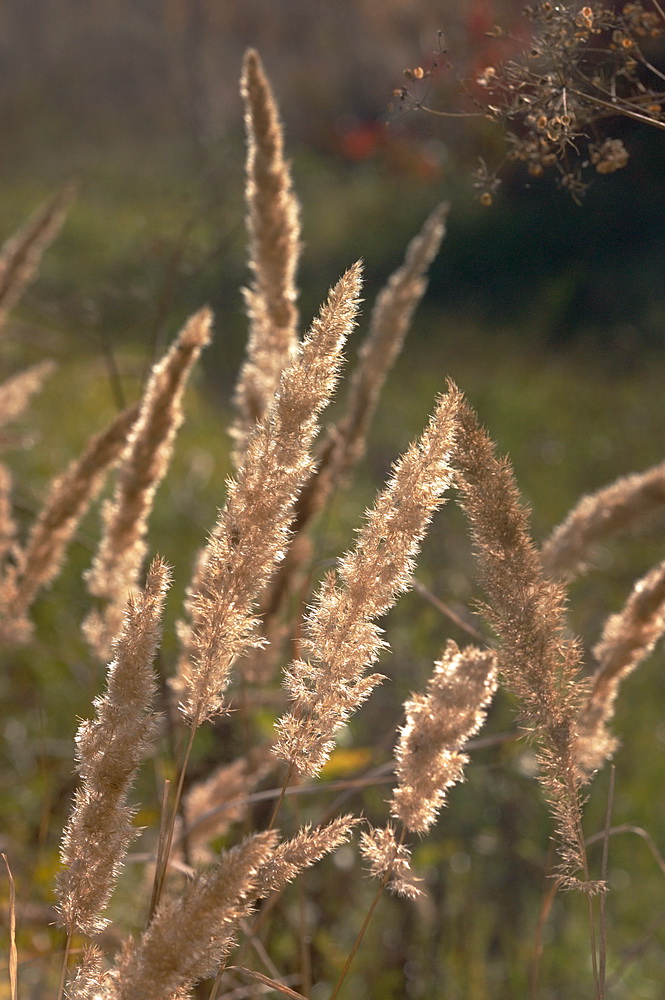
pixel 253 530
pixel 438 723
pixel 389 861
pixel 342 637
pixel 189 936
pixel 539 662
pixel 627 639
pixel 143 466
pixel 110 749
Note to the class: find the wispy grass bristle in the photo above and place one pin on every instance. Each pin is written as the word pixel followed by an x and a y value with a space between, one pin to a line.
pixel 143 465
pixel 109 751
pixel 273 226
pixel 251 535
pixel 342 638
pixel 20 255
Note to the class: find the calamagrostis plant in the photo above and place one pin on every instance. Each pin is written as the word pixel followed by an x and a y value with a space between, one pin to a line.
pixel 308 846
pixel 68 499
pixel 344 442
pixel 7 525
pixel 389 323
pixel 21 254
pixel 274 243
pixel 191 934
pixel 429 756
pixel 122 549
pixel 252 532
pixel 193 923
pixel 214 805
pixel 342 637
pixel 537 659
pixel 110 749
pixel 389 860
pixel 629 504
pixel 87 981
pixel 15 392
pixel 627 639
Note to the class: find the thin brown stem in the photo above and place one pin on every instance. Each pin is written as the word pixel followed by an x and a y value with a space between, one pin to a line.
pixel 278 804
pixel 13 954
pixel 165 848
pixel 360 935
pixel 603 874
pixel 65 963
pixel 619 108
pixel 630 828
pixel 545 906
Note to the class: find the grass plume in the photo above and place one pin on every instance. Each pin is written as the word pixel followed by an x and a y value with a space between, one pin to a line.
pixel 144 463
pixel 537 659
pixel 252 532
pixel 273 226
pixel 20 255
pixel 110 749
pixel 342 638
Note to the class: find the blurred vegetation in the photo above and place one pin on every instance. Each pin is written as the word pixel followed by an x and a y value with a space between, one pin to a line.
pixel 550 317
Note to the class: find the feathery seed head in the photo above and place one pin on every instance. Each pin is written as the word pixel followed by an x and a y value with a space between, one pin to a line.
pixel 253 529
pixel 438 725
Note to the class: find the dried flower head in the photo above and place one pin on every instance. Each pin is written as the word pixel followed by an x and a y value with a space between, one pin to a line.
pixel 342 637
pixel 389 860
pixel 274 244
pixel 253 529
pixel 438 723
pixel 110 749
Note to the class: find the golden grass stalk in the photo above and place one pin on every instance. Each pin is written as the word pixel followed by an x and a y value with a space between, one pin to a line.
pixel 13 953
pixel 301 851
pixel 147 454
pixel 21 254
pixel 88 981
pixel 438 724
pixel 538 661
pixel 345 441
pixel 274 243
pixel 628 638
pixel 625 505
pixel 341 635
pixel 15 392
pixel 389 323
pixel 109 751
pixel 253 529
pixel 389 860
pixel 68 499
pixel 190 935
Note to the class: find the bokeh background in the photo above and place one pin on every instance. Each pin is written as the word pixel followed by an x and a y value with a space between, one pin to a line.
pixel 550 316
